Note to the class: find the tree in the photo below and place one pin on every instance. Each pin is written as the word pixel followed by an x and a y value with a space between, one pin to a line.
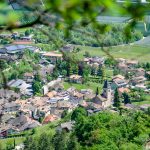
pixel 45 142
pixel 117 102
pixel 110 62
pixel 9 146
pixel 93 71
pixel 3 64
pixel 14 143
pixel 64 114
pixel 37 78
pixel 97 91
pixel 27 33
pixel 78 112
pixel 55 73
pixel 148 110
pixel 64 72
pixel 60 140
pixel 116 71
pixel 30 143
pixel 99 71
pixel 86 72
pixel 73 143
pixel 75 69
pixel 126 98
pixel 37 86
pixel 103 76
pixel 87 54
pixel 69 70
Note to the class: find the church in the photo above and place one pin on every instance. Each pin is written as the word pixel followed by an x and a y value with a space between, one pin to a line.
pixel 106 98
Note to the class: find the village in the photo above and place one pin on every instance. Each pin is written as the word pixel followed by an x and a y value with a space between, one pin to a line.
pixel 39 96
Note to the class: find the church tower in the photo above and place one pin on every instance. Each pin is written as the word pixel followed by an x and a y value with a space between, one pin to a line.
pixel 107 92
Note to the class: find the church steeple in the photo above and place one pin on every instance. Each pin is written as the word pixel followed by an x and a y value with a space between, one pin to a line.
pixel 106 89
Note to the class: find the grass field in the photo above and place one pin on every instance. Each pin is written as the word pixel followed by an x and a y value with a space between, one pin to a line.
pixel 89 85
pixel 146 101
pixel 140 53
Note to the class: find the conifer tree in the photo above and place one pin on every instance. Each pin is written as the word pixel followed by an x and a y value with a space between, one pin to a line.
pixel 103 76
pixel 117 102
pixel 76 69
pixel 126 98
pixel 97 91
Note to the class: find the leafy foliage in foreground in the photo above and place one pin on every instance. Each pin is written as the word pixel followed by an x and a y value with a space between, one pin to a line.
pixel 104 131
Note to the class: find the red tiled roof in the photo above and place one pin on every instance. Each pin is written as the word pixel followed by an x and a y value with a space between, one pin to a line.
pixel 49 118
pixel 123 90
pixel 22 42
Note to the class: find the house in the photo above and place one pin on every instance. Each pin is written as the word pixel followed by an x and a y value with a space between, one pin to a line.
pixel 15 49
pixel 121 60
pixel 132 63
pixel 67 126
pixel 139 72
pixel 55 84
pixel 148 74
pixel 98 60
pixel 2 51
pixel 10 107
pixel 23 122
pixel 118 77
pixel 6 117
pixel 52 56
pixel 25 89
pixel 22 42
pixel 54 100
pixel 5 35
pixel 28 77
pixel 8 95
pixel 65 105
pixel 105 99
pixel 94 61
pixel 77 96
pixel 51 94
pixel 138 80
pixel 118 83
pixel 123 90
pixel 76 78
pixel 122 67
pixel 50 118
pixel 6 130
pixel 45 70
pixel 27 38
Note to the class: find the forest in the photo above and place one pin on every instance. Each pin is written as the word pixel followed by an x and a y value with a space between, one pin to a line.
pixel 86 36
pixel 129 130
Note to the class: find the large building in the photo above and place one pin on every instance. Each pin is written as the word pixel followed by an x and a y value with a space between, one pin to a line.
pixel 104 100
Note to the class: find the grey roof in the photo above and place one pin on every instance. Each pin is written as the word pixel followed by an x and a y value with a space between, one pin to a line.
pixel 16 48
pixel 22 119
pixel 69 125
pixel 12 104
pixel 8 93
pixel 7 117
pixel 16 83
pixel 2 50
